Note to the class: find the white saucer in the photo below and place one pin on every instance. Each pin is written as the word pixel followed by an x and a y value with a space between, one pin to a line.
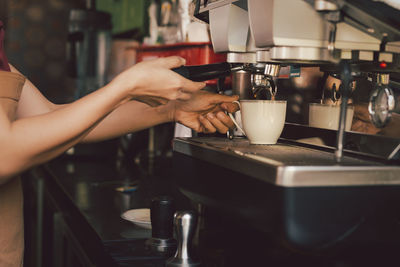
pixel 140 217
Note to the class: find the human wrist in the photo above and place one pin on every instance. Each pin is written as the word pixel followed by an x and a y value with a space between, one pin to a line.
pixel 119 90
pixel 167 111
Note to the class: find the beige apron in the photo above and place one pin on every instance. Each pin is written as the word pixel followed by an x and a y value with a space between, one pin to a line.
pixel 11 210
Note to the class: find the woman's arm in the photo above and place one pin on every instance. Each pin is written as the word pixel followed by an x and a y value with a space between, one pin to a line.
pixel 43 130
pixel 129 117
pixel 134 116
pixel 33 140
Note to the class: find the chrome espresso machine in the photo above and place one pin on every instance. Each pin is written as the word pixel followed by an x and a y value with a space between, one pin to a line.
pixel 319 197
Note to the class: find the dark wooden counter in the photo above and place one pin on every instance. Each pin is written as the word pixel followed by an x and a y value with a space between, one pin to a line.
pixel 75 199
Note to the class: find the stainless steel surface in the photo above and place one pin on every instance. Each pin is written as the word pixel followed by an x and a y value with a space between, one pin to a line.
pixel 319 33
pixel 260 83
pixel 301 54
pixel 299 26
pixel 272 70
pixel 259 80
pixel 263 56
pixel 274 25
pixel 382 101
pixel 372 17
pixel 241 84
pixel 345 94
pixel 303 26
pixel 288 165
pixel 324 5
pixel 185 225
pixel 229 28
pixel 304 55
pixel 381 105
pixel 249 57
pixel 341 130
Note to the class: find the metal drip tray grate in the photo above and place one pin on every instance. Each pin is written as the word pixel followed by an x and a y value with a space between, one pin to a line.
pixel 282 154
pixel 287 165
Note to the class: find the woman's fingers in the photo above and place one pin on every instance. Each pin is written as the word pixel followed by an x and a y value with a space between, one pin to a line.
pixel 230 107
pixel 226 120
pixel 216 122
pixel 154 78
pixel 219 98
pixel 207 126
pixel 175 62
pixel 221 128
pixel 192 87
pixel 170 62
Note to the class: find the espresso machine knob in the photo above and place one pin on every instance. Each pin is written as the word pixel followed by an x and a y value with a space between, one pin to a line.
pixel 185 225
pixel 382 102
pixel 162 215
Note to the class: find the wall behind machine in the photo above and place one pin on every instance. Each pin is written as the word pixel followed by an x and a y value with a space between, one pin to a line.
pixel 36 43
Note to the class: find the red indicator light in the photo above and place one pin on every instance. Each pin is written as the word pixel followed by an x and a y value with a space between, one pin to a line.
pixel 383 65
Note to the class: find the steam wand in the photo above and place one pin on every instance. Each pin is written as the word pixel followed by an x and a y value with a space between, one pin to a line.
pixel 340 137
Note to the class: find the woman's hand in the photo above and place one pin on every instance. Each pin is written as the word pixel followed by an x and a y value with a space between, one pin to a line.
pixel 204 112
pixel 153 82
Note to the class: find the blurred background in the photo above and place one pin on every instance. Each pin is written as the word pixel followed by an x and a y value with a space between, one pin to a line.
pixel 37 37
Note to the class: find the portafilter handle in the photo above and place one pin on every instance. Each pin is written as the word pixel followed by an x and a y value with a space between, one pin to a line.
pixel 185 223
pixel 199 73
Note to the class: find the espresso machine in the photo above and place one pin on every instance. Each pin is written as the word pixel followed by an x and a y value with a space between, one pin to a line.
pixel 328 203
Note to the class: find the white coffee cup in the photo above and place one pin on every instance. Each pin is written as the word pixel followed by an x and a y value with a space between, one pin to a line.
pixel 327 116
pixel 262 120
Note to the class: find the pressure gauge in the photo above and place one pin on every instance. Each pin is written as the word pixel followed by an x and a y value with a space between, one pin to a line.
pixel 381 105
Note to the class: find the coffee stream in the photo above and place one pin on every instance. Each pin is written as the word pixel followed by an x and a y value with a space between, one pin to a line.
pixel 265 92
pixel 273 90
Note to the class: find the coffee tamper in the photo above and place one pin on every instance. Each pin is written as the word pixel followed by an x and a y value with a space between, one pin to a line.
pixel 162 212
pixel 185 226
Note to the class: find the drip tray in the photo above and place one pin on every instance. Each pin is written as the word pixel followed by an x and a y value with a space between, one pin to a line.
pixel 287 165
pixel 299 196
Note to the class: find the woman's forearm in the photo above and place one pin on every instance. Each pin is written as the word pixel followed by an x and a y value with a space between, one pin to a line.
pixel 43 130
pixel 130 117
pixel 34 140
